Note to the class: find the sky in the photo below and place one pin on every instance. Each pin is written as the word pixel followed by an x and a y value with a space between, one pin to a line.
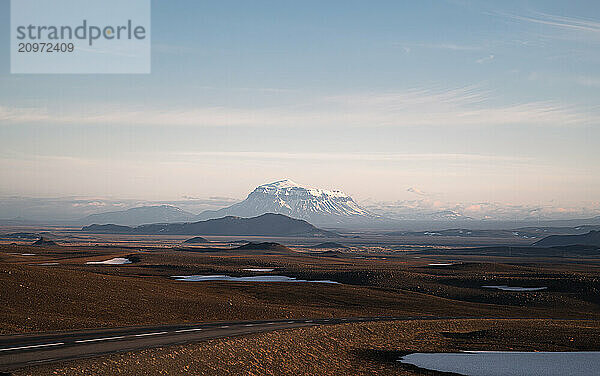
pixel 482 106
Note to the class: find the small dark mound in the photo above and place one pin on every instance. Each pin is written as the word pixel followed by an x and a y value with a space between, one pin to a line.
pixel 239 242
pixel 43 242
pixel 327 254
pixel 133 258
pixel 327 245
pixel 197 240
pixel 265 246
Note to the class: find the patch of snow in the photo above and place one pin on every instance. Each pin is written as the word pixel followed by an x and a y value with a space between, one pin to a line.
pixel 259 270
pixel 280 184
pixel 113 261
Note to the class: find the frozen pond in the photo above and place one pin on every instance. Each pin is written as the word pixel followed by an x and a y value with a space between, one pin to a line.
pixel 504 363
pixel 515 288
pixel 258 278
pixel 259 270
pixel 113 261
pixel 45 264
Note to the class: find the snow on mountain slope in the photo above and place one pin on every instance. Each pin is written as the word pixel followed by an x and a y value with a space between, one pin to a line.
pixel 316 206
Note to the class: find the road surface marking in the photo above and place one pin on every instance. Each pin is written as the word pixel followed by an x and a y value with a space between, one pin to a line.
pixel 150 334
pixel 224 326
pixel 33 346
pixel 249 325
pixel 308 321
pixel 290 322
pixel 187 330
pixel 98 339
pixel 270 323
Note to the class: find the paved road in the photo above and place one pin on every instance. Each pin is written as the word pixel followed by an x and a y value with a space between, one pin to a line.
pixel 25 350
pixel 20 351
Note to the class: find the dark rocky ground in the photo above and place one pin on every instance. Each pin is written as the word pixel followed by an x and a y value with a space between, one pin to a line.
pixel 352 349
pixel 75 295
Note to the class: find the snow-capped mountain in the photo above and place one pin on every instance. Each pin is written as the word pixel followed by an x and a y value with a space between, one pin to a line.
pixel 316 206
pixel 447 215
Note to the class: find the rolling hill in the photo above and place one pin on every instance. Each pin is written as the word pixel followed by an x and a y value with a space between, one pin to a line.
pixel 140 215
pixel 264 225
pixel 592 238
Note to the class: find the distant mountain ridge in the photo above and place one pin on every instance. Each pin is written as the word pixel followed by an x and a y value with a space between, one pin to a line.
pixel 269 224
pixel 140 215
pixel 285 197
pixel 592 238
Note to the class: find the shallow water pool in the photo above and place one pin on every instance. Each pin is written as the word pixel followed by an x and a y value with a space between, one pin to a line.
pixel 258 278
pixel 505 363
pixel 515 288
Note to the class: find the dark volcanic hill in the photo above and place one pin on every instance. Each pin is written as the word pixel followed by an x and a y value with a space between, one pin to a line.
pixel 197 240
pixel 266 246
pixel 327 245
pixel 592 238
pixel 330 253
pixel 264 225
pixel 43 242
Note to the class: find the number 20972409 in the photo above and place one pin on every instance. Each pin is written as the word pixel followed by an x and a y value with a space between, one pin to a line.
pixel 46 47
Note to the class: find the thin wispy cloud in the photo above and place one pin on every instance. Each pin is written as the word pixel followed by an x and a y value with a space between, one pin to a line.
pixel 442 46
pixel 550 27
pixel 486 59
pixel 374 156
pixel 579 80
pixel 588 81
pixel 563 22
pixel 467 106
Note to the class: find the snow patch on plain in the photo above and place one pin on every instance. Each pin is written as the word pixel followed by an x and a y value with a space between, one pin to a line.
pixel 259 270
pixel 112 261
